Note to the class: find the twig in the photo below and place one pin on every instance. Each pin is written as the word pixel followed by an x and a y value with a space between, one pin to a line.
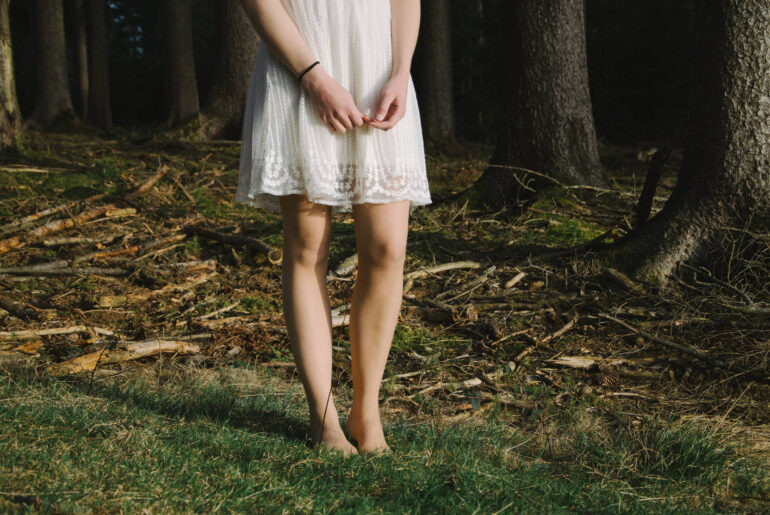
pixel 683 348
pixel 23 335
pixel 422 272
pixel 274 255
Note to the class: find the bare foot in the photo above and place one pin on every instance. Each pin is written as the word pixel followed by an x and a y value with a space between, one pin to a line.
pixel 333 438
pixel 368 434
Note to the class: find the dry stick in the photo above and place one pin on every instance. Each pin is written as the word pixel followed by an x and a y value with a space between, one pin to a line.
pixel 182 188
pixel 27 220
pixel 510 283
pixel 49 272
pixel 468 383
pixel 684 349
pixel 220 311
pixel 713 279
pixel 111 301
pixel 20 310
pixel 588 245
pixel 30 169
pixel 74 240
pixel 133 250
pixel 422 272
pixel 273 255
pixel 144 188
pixel 79 219
pixel 132 350
pixel 469 286
pixel 347 266
pixel 569 325
pixel 431 303
pixel 24 335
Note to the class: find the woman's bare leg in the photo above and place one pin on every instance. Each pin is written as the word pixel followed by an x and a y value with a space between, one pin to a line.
pixel 306 235
pixel 381 235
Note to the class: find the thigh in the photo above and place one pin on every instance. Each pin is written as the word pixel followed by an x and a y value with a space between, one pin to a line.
pixel 381 230
pixel 306 227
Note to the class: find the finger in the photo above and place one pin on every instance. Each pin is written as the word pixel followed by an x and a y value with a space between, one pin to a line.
pixel 337 125
pixel 344 119
pixel 393 111
pixel 327 122
pixel 382 110
pixel 357 118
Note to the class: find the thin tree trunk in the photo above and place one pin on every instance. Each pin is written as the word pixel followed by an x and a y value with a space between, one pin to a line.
pixel 434 73
pixel 236 50
pixel 180 82
pixel 725 176
pixel 10 119
pixel 53 100
pixel 99 104
pixel 80 36
pixel 548 124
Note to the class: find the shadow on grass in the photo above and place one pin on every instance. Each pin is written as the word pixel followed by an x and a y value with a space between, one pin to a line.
pixel 190 400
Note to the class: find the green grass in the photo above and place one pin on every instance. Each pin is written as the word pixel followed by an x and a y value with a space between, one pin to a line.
pixel 196 445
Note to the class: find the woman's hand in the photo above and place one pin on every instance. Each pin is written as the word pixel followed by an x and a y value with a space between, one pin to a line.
pixel 392 106
pixel 332 102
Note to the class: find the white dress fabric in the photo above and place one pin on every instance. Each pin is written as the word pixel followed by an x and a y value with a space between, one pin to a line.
pixel 288 149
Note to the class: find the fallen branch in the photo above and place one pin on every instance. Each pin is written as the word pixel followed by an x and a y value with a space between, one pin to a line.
pixel 467 287
pixel 422 272
pixel 131 351
pixel 79 219
pixel 111 301
pixel 569 325
pixel 30 219
pixel 685 349
pixel 347 266
pixel 48 272
pixel 132 250
pixel 274 255
pixel 22 335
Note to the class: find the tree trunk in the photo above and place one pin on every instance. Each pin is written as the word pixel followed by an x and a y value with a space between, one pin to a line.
pixel 434 73
pixel 53 100
pixel 99 104
pixel 80 46
pixel 548 124
pixel 235 54
pixel 181 88
pixel 725 176
pixel 10 118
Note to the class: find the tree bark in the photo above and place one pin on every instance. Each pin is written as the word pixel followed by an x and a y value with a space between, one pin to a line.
pixel 53 100
pixel 548 125
pixel 80 46
pixel 725 176
pixel 236 50
pixel 99 103
pixel 434 73
pixel 10 119
pixel 180 82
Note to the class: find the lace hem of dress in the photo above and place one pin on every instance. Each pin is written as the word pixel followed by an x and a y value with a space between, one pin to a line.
pixel 334 184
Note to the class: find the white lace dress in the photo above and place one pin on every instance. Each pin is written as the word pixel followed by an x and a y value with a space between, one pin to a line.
pixel 288 149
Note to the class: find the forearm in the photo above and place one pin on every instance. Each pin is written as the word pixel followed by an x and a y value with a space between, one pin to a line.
pixel 405 25
pixel 279 32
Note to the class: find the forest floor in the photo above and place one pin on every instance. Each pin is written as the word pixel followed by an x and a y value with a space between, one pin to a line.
pixel 144 362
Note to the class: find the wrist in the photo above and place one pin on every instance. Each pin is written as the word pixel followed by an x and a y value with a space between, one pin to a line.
pixel 402 75
pixel 313 78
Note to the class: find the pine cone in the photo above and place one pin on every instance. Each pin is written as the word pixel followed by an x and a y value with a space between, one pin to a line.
pixel 611 380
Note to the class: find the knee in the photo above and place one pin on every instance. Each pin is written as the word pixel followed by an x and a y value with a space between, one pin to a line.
pixel 384 254
pixel 306 253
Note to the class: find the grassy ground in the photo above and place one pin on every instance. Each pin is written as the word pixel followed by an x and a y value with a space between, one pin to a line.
pixel 231 439
pixel 482 409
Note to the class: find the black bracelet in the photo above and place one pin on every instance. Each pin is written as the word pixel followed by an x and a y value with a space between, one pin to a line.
pixel 307 70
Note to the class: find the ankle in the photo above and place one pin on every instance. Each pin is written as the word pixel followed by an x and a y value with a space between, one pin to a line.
pixel 365 414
